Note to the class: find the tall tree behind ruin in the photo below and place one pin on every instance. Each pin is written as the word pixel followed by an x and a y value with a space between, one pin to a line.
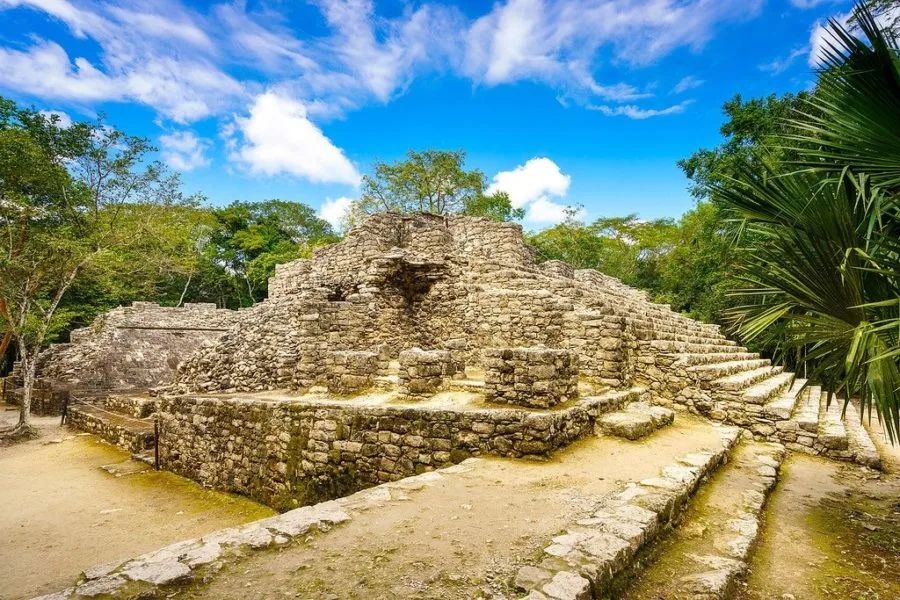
pixel 70 198
pixel 432 181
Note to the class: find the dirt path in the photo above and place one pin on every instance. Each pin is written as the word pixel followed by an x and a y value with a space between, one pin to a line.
pixel 61 513
pixel 463 537
pixel 831 531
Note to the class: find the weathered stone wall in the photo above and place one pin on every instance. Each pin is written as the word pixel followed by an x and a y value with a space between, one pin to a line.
pixel 534 377
pixel 286 453
pixel 134 346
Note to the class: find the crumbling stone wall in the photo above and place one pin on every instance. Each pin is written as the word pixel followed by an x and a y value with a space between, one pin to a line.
pixel 534 377
pixel 134 346
pixel 285 453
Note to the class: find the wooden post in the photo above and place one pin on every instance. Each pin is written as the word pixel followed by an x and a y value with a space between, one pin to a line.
pixel 65 408
pixel 156 444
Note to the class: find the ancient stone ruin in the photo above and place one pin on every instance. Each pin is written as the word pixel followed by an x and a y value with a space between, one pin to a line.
pixel 416 343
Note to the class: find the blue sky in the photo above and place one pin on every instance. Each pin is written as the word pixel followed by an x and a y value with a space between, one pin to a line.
pixel 559 102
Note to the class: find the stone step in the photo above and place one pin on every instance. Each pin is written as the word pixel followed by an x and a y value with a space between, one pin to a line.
pixel 782 406
pixel 128 433
pixel 134 406
pixel 694 339
pixel 673 346
pixel 806 413
pixel 710 549
pixel 596 552
pixel 683 328
pixel 768 389
pixel 864 450
pixel 710 371
pixel 832 434
pixel 703 358
pixel 638 420
pixel 742 381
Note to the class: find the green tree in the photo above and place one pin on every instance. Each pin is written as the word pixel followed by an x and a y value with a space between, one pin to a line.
pixel 65 195
pixel 249 239
pixel 751 130
pixel 431 181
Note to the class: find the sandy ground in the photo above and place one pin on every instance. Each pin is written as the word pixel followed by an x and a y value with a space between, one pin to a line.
pixel 831 531
pixel 463 537
pixel 61 513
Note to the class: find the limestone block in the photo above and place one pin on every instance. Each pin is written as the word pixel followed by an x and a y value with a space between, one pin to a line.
pixel 350 371
pixel 536 377
pixel 424 372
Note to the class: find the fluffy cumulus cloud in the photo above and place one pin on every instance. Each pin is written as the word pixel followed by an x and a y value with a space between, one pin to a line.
pixel 534 186
pixel 277 138
pixel 335 211
pixel 183 150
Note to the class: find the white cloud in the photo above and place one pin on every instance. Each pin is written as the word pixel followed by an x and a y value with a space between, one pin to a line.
pixel 334 211
pixel 544 210
pixel 178 60
pixel 635 112
pixel 63 120
pixel 804 4
pixel 278 138
pixel 780 65
pixel 184 151
pixel 557 41
pixel 687 83
pixel 531 186
pixel 821 36
pixel 161 59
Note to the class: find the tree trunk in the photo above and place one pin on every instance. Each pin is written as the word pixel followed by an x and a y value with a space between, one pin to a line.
pixel 30 370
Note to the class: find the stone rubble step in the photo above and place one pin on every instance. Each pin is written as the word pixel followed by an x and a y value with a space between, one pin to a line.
pixel 703 358
pixel 806 412
pixel 723 369
pixel 672 346
pixel 767 389
pixel 128 433
pixel 782 407
pixel 741 381
pixel 709 550
pixel 638 420
pixel 864 450
pixel 680 337
pixel 595 551
pixel 832 434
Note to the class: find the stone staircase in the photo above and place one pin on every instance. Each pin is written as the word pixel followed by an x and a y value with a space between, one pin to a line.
pixel 125 421
pixel 726 382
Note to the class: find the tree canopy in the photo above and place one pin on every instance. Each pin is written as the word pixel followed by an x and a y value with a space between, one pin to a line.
pixel 432 181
